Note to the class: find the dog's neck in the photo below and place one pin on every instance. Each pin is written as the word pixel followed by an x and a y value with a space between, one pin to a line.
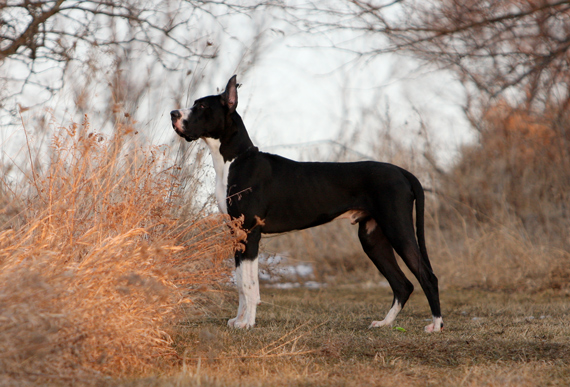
pixel 233 143
pixel 234 140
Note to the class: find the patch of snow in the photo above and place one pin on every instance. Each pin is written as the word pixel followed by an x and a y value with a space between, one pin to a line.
pixel 276 273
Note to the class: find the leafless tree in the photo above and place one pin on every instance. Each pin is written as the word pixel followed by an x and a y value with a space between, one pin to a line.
pixel 41 39
pixel 497 46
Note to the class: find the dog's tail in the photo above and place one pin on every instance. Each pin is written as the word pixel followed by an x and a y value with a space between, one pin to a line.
pixel 418 191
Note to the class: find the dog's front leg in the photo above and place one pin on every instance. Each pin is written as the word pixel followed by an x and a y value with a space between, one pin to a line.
pixel 241 307
pixel 250 290
pixel 247 280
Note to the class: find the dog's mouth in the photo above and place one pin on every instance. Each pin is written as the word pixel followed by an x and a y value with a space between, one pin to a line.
pixel 177 125
pixel 181 133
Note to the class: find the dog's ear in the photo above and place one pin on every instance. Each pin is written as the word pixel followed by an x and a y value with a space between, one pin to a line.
pixel 230 97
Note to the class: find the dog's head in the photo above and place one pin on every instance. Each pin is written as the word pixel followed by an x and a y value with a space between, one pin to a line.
pixel 208 117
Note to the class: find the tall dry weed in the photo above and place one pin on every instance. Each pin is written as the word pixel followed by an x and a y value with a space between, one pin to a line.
pixel 95 269
pixel 498 254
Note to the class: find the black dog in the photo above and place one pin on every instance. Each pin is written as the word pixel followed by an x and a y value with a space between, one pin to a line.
pixel 275 195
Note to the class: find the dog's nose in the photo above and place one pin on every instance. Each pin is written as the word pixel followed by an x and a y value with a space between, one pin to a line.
pixel 175 114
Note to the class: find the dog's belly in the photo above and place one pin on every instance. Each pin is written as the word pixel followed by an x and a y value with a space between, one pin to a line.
pixel 299 215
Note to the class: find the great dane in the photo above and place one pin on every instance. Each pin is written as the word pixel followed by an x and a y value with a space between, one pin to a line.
pixel 275 195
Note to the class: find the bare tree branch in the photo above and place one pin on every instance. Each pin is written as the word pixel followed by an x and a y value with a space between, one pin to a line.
pixel 41 34
pixel 515 45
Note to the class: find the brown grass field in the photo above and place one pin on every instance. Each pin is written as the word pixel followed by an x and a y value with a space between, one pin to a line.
pixel 112 273
pixel 307 337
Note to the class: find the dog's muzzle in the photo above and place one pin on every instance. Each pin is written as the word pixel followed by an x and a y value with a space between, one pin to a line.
pixel 176 118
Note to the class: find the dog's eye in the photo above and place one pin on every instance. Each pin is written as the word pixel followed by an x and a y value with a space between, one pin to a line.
pixel 201 106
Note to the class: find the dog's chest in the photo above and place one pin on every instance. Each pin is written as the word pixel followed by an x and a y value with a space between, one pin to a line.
pixel 222 169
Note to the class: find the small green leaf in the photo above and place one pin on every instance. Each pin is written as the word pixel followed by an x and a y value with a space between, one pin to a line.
pixel 400 329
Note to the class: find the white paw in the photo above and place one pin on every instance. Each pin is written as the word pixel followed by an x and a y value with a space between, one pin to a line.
pixel 231 322
pixel 376 324
pixel 243 325
pixel 435 326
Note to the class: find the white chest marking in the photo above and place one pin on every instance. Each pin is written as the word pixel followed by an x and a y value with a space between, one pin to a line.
pixel 222 170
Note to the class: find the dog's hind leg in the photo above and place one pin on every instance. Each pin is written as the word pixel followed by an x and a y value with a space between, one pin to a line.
pixel 380 251
pixel 401 236
pixel 247 279
pixel 239 284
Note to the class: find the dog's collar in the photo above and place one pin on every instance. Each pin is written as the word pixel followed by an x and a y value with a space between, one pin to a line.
pixel 252 148
pixel 248 152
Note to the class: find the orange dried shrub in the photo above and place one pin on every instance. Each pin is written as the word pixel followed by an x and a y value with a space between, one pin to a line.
pixel 529 135
pixel 95 275
pixel 504 214
pixel 520 166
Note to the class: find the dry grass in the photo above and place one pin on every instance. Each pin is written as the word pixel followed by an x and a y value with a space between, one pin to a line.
pixel 495 255
pixel 320 337
pixel 96 266
pixel 502 211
